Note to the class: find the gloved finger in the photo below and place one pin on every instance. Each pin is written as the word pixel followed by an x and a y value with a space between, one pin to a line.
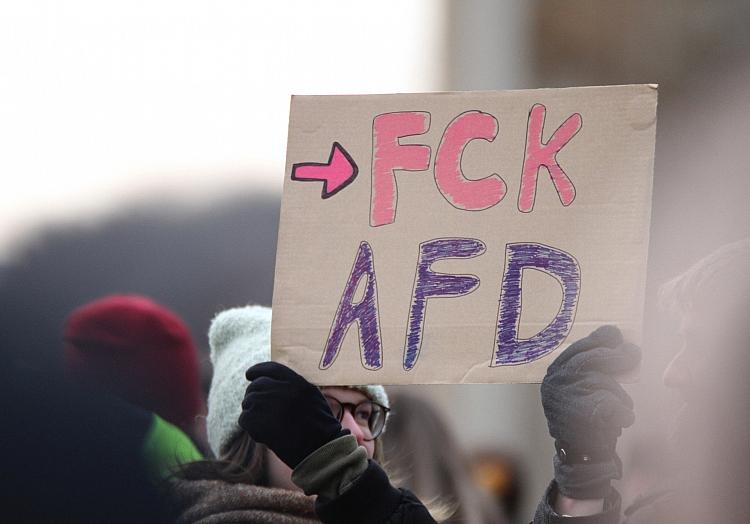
pixel 271 369
pixel 613 361
pixel 610 407
pixel 247 421
pixel 574 387
pixel 592 419
pixel 604 336
pixel 602 386
pixel 610 415
pixel 578 401
pixel 259 400
pixel 265 383
pixel 253 426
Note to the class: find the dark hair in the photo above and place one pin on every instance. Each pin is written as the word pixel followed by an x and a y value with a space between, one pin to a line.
pixel 241 462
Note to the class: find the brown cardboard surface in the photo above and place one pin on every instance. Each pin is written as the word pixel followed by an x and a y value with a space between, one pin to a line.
pixel 604 229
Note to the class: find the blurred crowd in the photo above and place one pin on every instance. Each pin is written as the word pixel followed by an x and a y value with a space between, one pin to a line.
pixel 126 346
pixel 125 430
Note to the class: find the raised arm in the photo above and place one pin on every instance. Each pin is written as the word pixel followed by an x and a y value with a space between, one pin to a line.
pixel 586 410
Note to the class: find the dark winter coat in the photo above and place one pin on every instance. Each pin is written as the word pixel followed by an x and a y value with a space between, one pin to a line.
pixel 657 506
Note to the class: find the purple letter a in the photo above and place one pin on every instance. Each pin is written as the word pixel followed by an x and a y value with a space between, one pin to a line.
pixel 365 313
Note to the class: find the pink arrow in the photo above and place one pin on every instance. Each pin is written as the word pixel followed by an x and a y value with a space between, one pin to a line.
pixel 336 174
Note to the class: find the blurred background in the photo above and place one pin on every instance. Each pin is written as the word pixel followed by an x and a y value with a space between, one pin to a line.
pixel 143 148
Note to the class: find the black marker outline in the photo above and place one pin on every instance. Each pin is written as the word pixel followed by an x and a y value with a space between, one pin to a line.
pixel 325 193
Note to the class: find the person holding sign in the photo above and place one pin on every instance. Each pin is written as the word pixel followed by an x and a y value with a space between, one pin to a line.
pixel 281 435
pixel 587 409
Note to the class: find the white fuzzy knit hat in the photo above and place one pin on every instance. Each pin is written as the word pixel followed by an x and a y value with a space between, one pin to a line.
pixel 240 338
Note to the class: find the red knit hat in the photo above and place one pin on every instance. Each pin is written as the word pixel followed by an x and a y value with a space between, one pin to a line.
pixel 138 350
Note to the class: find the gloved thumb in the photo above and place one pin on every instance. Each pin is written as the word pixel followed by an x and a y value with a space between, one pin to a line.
pixel 612 361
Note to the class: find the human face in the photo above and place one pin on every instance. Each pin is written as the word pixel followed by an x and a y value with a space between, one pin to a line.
pixel 357 428
pixel 280 475
pixel 706 357
pixel 678 374
pixel 687 376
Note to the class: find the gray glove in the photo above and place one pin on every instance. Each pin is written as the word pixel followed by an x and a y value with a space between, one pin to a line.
pixel 586 410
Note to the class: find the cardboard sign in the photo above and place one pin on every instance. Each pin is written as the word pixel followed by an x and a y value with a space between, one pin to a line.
pixel 460 237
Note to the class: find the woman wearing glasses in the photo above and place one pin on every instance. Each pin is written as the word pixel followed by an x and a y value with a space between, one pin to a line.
pixel 279 439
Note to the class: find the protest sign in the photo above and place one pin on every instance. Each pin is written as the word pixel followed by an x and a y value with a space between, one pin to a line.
pixel 460 237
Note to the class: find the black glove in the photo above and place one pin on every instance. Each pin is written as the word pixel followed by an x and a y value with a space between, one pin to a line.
pixel 286 413
pixel 586 410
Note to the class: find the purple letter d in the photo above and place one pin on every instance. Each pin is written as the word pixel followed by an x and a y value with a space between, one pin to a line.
pixel 509 349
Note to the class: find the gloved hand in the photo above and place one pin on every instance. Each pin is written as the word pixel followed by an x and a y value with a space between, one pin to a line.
pixel 586 410
pixel 286 413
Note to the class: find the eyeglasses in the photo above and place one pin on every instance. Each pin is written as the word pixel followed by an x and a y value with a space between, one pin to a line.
pixel 369 415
